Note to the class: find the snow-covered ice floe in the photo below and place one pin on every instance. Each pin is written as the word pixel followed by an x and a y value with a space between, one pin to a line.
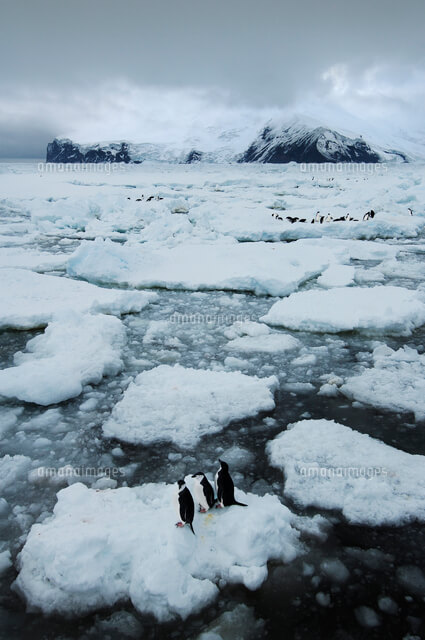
pixel 74 350
pixel 251 336
pixel 182 405
pixel 263 268
pixel 331 466
pixel 395 382
pixel 103 547
pixel 378 309
pixel 16 257
pixel 31 299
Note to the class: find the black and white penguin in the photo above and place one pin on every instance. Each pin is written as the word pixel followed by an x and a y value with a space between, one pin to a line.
pixel 185 506
pixel 225 487
pixel 410 211
pixel 150 198
pixel 329 218
pixel 203 492
pixel 371 214
pixel 366 216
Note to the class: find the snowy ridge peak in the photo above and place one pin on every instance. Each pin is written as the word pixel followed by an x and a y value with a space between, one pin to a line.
pixel 298 142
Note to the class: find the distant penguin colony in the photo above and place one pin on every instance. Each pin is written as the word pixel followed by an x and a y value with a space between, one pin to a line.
pixel 319 219
pixel 147 199
pixel 204 495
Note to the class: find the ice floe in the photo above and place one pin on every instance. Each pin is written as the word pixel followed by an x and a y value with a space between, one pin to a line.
pixel 263 268
pixel 31 299
pixel 253 336
pixel 183 404
pixel 331 466
pixel 103 547
pixel 396 381
pixel 74 350
pixel 393 310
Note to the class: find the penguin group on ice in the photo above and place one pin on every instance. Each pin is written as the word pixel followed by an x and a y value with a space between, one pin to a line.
pixel 318 218
pixel 204 495
pixel 148 199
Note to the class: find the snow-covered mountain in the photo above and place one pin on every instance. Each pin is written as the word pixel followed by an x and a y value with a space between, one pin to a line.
pixel 298 140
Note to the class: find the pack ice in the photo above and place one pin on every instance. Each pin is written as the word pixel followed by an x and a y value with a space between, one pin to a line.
pixel 181 404
pixel 31 299
pixel 103 547
pixel 331 466
pixel 378 309
pixel 74 350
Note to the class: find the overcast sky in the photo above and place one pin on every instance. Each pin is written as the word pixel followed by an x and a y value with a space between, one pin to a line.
pixel 153 71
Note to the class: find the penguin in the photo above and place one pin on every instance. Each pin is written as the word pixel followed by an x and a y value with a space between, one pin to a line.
pixel 371 213
pixel 279 217
pixel 225 487
pixel 302 220
pixel 318 216
pixel 185 506
pixel 150 198
pixel 366 216
pixel 321 219
pixel 291 219
pixel 410 211
pixel 139 199
pixel 343 219
pixel 328 218
pixel 203 491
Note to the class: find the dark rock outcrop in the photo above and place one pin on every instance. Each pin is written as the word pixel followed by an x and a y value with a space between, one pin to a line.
pixel 298 143
pixel 64 150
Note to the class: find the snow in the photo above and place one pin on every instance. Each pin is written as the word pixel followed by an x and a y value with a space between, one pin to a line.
pixel 396 382
pixel 32 259
pixel 102 547
pixel 337 275
pixel 331 466
pixel 31 300
pixel 74 350
pixel 262 268
pixel 382 309
pixel 183 404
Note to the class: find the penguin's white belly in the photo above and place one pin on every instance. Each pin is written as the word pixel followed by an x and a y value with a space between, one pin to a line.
pixel 200 497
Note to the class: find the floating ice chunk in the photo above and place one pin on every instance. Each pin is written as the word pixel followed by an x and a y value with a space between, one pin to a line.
pixel 182 405
pixel 367 617
pixel 13 469
pixel 271 343
pixel 396 381
pixel 5 561
pixel 305 360
pixel 263 268
pixel 31 299
pixel 412 579
pixel 335 570
pixel 375 310
pixel 233 625
pixel 388 605
pixel 337 275
pixel 102 547
pixel 324 599
pixel 74 350
pixel 332 466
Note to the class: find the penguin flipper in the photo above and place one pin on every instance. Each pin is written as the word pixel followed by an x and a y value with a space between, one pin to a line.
pixel 240 504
